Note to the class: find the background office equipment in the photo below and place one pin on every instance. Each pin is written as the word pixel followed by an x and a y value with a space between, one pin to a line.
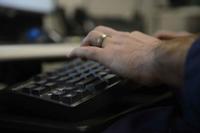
pixel 22 22
pixel 14 52
pixel 44 6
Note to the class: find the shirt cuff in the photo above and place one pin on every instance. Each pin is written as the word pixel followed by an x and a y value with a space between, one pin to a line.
pixel 190 93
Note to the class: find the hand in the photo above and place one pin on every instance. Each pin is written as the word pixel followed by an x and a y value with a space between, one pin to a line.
pixel 168 35
pixel 127 54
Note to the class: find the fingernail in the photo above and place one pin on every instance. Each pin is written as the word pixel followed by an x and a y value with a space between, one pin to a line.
pixel 69 55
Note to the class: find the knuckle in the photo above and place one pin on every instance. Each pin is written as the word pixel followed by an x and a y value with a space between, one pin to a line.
pixel 99 27
pixel 91 34
pixel 135 32
pixel 124 34
pixel 89 38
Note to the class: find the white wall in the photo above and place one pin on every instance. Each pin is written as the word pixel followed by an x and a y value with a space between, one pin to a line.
pixel 120 8
pixel 70 5
pixel 99 8
pixel 156 13
pixel 179 19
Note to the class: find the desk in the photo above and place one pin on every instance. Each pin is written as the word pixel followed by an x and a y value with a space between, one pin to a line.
pixel 20 123
pixel 12 121
pixel 35 51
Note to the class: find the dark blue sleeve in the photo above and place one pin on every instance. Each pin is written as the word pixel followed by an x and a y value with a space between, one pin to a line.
pixel 190 93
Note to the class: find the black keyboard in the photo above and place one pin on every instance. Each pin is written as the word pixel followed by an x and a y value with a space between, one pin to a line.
pixel 79 90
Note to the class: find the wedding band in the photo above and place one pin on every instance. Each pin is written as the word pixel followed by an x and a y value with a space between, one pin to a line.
pixel 101 39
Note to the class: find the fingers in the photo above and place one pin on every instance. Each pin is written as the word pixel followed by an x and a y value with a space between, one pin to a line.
pixel 91 53
pixel 91 38
pixel 94 53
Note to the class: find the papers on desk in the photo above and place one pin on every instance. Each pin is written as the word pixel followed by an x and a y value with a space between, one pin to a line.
pixel 35 51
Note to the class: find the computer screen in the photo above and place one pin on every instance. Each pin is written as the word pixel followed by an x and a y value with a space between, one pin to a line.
pixel 39 6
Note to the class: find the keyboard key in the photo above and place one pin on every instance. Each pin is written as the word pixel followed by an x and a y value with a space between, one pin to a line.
pixel 39 90
pixel 84 71
pixel 88 64
pixel 50 85
pixel 82 92
pixel 76 62
pixel 74 75
pixel 57 94
pixel 87 75
pixel 101 74
pixel 94 65
pixel 66 72
pixel 41 82
pixel 79 68
pixel 82 84
pixel 71 98
pixel 61 74
pixel 63 79
pixel 98 85
pixel 69 71
pixel 96 70
pixel 110 78
pixel 66 89
pixel 53 77
pixel 28 88
pixel 77 79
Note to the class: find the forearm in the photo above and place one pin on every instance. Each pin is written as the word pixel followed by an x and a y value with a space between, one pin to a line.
pixel 170 58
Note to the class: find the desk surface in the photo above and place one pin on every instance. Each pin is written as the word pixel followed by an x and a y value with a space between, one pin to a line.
pixel 11 120
pixel 35 51
pixel 18 123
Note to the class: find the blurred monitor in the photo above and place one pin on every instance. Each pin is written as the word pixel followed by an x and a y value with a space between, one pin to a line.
pixel 38 6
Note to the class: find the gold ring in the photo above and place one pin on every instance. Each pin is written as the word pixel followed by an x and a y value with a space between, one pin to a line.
pixel 101 39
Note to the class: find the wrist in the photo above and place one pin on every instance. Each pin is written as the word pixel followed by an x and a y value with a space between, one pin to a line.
pixel 149 73
pixel 169 59
pixel 153 74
